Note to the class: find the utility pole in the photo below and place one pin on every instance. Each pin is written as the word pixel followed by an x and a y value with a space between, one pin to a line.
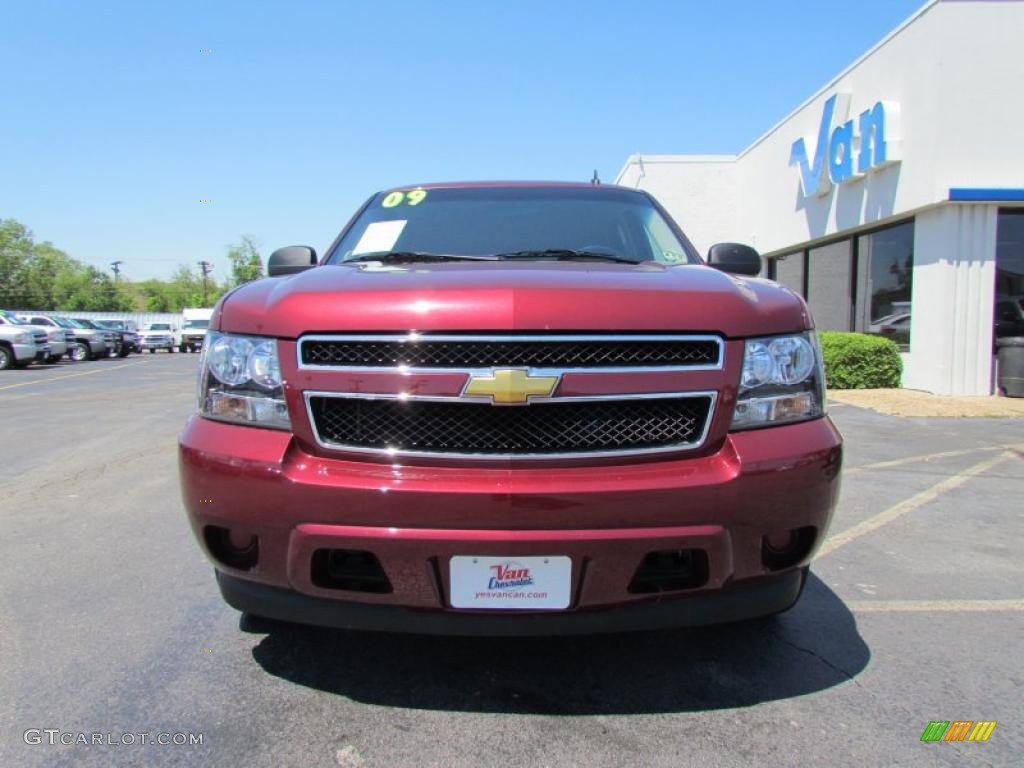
pixel 116 267
pixel 206 267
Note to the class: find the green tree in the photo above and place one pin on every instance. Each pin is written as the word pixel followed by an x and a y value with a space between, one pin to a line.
pixel 15 254
pixel 246 262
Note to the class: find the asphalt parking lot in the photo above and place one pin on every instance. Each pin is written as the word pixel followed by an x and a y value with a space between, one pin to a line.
pixel 110 621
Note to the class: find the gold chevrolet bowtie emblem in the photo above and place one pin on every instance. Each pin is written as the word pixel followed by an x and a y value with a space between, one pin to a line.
pixel 510 386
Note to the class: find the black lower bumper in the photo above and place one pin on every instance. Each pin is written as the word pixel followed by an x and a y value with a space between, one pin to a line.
pixel 741 601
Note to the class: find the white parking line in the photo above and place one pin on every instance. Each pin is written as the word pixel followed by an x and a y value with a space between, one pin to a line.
pixel 832 543
pixel 930 606
pixel 923 457
pixel 72 375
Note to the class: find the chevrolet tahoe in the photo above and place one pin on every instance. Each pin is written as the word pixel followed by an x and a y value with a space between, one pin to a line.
pixel 511 408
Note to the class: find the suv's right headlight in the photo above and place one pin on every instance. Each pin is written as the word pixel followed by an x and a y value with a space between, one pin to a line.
pixel 783 381
pixel 240 381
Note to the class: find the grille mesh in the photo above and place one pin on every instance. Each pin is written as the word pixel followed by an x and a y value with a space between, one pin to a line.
pixel 577 353
pixel 541 428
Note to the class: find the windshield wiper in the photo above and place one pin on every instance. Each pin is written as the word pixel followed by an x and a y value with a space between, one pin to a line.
pixel 566 254
pixel 406 256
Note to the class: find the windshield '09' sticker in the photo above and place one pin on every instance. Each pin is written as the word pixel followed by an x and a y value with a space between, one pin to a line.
pixel 673 257
pixel 412 197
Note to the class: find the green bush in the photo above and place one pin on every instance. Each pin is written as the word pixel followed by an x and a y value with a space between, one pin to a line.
pixel 860 361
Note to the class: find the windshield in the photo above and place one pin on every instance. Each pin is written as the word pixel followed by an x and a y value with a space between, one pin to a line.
pixel 83 323
pixel 479 221
pixel 197 323
pixel 68 323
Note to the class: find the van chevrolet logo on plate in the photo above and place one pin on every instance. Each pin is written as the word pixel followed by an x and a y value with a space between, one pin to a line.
pixel 510 386
pixel 516 583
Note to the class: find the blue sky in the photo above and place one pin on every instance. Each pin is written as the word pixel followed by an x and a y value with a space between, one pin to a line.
pixel 117 122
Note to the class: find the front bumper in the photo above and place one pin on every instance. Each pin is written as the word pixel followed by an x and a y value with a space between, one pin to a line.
pixel 23 352
pixel 743 601
pixel 414 518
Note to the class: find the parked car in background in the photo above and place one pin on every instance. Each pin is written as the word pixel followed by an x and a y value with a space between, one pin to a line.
pixel 129 334
pixel 21 345
pixel 895 327
pixel 154 336
pixel 84 343
pixel 56 337
pixel 194 330
pixel 111 339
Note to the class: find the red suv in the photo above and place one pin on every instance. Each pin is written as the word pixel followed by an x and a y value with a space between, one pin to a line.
pixel 512 408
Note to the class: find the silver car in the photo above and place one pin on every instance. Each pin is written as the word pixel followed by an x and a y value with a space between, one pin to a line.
pixel 55 337
pixel 83 343
pixel 21 345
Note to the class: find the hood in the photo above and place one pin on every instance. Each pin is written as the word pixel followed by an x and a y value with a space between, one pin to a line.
pixel 503 296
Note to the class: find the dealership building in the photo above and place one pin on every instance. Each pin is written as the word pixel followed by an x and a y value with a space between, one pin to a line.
pixel 893 198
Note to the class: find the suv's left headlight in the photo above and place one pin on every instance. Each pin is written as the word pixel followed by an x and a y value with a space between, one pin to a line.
pixel 783 381
pixel 240 381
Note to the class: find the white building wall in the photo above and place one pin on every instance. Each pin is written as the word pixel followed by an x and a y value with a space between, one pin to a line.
pixel 951 321
pixel 953 70
pixel 686 186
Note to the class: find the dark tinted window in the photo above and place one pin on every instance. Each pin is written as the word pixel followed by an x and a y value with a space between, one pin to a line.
pixel 489 220
pixel 886 282
pixel 1010 274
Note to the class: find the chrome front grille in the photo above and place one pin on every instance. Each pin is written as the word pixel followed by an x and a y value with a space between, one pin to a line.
pixel 488 422
pixel 552 428
pixel 454 352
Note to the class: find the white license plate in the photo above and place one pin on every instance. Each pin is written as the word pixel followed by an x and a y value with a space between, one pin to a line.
pixel 516 583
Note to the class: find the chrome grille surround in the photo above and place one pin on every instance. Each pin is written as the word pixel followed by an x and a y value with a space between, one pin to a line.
pixel 708 399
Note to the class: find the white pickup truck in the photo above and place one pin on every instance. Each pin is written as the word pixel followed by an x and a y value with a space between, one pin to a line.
pixel 197 320
pixel 154 336
pixel 54 338
pixel 20 345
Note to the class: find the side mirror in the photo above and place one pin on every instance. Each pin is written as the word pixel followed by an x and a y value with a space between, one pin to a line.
pixel 735 258
pixel 290 259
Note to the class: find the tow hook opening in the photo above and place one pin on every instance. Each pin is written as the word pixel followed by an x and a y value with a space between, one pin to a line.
pixel 786 548
pixel 232 547
pixel 355 570
pixel 669 570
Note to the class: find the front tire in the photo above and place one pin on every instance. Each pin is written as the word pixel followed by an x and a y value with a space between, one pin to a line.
pixel 78 352
pixel 171 350
pixel 53 359
pixel 6 358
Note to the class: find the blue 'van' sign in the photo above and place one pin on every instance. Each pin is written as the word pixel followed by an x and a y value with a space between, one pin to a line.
pixel 849 150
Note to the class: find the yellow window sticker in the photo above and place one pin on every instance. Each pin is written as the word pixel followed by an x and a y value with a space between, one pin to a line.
pixel 411 197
